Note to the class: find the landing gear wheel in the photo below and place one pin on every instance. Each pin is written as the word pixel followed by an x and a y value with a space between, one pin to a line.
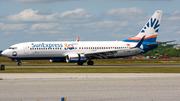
pixel 19 63
pixel 90 63
pixel 80 63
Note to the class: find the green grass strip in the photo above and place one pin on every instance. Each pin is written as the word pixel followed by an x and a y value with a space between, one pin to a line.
pixel 93 70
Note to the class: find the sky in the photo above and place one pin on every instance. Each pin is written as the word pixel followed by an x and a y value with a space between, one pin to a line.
pixel 91 20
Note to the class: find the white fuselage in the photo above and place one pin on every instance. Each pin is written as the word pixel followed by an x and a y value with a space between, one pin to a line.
pixel 50 50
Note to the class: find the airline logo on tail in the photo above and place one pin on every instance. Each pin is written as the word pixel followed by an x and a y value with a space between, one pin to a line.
pixel 153 24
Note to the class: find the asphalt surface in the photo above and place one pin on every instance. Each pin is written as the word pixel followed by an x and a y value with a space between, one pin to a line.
pixel 166 65
pixel 89 86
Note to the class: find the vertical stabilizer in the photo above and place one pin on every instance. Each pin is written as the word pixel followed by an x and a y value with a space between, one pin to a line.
pixel 150 29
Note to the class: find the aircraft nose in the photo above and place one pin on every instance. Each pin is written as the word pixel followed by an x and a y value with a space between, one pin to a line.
pixel 5 53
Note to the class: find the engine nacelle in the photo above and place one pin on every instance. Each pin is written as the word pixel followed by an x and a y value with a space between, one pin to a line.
pixel 57 60
pixel 76 58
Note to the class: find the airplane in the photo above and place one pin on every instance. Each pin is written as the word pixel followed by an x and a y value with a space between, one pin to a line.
pixel 85 51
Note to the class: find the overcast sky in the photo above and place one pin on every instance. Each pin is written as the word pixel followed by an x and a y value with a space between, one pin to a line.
pixel 91 20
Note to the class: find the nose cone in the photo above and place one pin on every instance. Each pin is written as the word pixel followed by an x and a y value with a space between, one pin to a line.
pixel 5 53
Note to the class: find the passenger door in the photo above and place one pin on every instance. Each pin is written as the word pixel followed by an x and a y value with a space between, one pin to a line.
pixel 26 49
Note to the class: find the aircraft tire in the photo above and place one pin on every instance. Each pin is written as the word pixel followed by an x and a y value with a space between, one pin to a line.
pixel 90 63
pixel 19 63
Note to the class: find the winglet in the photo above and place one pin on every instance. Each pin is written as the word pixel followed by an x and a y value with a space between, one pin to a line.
pixel 77 39
pixel 140 42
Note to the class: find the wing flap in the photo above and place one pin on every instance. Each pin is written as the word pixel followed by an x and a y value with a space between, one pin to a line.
pixel 100 54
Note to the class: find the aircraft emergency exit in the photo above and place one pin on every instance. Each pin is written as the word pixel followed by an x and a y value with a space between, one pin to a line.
pixel 85 51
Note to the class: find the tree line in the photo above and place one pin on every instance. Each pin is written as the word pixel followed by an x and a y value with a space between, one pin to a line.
pixel 162 50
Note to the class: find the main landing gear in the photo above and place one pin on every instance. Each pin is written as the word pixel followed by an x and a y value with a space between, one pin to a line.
pixel 19 63
pixel 90 62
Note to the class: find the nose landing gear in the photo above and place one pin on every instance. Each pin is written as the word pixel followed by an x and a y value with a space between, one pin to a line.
pixel 17 60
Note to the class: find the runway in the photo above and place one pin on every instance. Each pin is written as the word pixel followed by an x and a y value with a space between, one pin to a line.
pixel 89 86
pixel 165 65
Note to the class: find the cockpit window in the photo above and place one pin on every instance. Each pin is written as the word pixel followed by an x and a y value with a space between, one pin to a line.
pixel 12 48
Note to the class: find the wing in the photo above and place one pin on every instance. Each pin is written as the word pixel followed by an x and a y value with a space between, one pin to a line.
pixel 100 54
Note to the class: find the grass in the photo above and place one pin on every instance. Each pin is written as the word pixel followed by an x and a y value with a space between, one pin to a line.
pixel 95 69
pixel 7 61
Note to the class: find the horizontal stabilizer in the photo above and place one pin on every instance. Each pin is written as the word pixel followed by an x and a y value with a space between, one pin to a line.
pixel 159 43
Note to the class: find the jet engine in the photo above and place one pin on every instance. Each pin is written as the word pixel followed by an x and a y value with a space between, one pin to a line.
pixel 76 58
